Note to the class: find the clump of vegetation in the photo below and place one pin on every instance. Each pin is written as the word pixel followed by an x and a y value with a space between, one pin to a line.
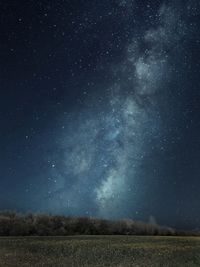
pixel 14 224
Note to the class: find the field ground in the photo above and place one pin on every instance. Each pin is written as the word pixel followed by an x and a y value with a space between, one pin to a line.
pixel 100 251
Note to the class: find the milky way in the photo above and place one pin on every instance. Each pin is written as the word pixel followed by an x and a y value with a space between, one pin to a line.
pixel 99 164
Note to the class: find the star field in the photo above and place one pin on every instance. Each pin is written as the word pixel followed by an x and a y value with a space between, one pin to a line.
pixel 100 109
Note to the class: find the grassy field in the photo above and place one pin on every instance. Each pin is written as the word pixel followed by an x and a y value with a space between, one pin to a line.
pixel 100 251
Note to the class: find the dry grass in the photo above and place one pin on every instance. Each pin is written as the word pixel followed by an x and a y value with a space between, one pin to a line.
pixel 100 251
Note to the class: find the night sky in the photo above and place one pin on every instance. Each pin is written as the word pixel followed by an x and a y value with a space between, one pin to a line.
pixel 100 109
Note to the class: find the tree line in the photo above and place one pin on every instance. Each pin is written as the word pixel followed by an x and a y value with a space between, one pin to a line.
pixel 15 224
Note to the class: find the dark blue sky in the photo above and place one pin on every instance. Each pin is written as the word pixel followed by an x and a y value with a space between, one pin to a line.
pixel 99 109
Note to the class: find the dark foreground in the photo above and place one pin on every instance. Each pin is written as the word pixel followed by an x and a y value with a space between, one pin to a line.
pixel 101 251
